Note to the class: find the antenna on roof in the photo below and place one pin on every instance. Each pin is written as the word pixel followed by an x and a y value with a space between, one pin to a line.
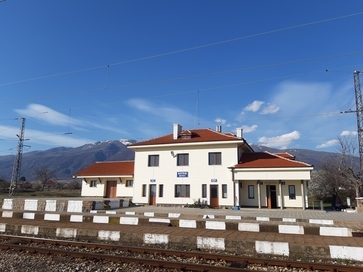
pixel 69 122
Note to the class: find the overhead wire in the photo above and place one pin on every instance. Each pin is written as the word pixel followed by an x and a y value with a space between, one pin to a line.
pixel 181 78
pixel 188 49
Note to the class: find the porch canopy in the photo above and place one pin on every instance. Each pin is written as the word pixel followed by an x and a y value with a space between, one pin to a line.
pixel 266 168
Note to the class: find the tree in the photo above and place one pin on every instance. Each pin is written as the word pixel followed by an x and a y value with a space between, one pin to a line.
pixel 42 175
pixel 348 166
pixel 339 176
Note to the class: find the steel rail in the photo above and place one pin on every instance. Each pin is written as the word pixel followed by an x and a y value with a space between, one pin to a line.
pixel 187 254
pixel 118 258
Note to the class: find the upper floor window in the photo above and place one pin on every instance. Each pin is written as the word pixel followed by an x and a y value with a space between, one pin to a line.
pixel 129 183
pixel 182 159
pixel 153 160
pixel 215 158
pixel 93 183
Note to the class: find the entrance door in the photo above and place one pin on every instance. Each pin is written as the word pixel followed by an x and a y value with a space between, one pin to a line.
pixel 152 194
pixel 111 189
pixel 271 196
pixel 214 196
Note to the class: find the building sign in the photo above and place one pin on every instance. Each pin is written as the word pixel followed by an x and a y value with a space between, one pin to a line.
pixel 213 180
pixel 152 180
pixel 182 174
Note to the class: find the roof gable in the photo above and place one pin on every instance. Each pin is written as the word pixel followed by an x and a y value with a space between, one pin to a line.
pixel 118 168
pixel 267 160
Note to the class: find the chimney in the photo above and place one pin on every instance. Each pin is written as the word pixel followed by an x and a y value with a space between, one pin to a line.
pixel 219 128
pixel 240 132
pixel 176 131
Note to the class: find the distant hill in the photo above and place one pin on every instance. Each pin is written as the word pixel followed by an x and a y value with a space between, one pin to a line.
pixel 65 161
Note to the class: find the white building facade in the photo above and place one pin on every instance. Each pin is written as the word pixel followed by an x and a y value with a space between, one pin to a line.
pixel 202 166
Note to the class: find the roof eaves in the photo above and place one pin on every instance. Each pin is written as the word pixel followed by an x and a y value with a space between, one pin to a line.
pixel 307 164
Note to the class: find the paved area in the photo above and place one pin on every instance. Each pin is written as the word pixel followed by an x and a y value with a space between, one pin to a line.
pixel 248 212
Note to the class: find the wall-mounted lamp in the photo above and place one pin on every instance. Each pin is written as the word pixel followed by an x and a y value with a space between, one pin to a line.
pixel 172 154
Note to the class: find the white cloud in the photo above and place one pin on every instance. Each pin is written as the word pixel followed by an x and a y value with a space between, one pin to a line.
pixel 43 137
pixel 47 115
pixel 167 113
pixel 348 133
pixel 248 129
pixel 329 143
pixel 281 141
pixel 220 121
pixel 270 109
pixel 50 116
pixel 254 106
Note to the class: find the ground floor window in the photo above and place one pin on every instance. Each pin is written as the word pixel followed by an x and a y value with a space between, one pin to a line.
pixel 129 183
pixel 224 190
pixel 143 190
pixel 161 190
pixel 204 190
pixel 182 190
pixel 292 194
pixel 251 191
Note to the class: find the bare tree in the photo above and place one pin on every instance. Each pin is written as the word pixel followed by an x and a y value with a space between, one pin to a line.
pixel 348 166
pixel 339 175
pixel 327 182
pixel 42 175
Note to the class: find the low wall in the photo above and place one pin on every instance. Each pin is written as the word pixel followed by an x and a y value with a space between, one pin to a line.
pixel 62 205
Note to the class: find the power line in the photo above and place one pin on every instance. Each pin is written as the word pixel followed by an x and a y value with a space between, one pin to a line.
pixel 186 49
pixel 184 78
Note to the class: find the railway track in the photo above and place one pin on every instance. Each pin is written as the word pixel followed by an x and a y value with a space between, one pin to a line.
pixel 160 259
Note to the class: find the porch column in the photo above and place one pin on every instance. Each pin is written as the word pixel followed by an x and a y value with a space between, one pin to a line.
pixel 259 193
pixel 303 194
pixel 236 193
pixel 281 195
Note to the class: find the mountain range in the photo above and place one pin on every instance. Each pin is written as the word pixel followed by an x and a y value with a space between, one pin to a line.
pixel 66 161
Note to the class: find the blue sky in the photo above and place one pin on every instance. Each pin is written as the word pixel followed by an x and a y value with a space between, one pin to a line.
pixel 87 71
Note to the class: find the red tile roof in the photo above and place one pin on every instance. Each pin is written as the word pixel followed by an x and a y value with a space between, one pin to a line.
pixel 267 160
pixel 286 155
pixel 197 135
pixel 118 168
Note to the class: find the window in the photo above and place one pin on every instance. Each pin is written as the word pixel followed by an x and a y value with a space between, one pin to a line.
pixel 182 159
pixel 182 191
pixel 129 183
pixel 251 191
pixel 215 158
pixel 204 190
pixel 161 190
pixel 143 190
pixel 93 183
pixel 153 160
pixel 292 194
pixel 224 190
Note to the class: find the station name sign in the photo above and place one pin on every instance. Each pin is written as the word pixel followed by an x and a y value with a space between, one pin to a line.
pixel 182 174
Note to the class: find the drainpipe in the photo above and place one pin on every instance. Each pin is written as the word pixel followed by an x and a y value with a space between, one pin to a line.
pixel 234 188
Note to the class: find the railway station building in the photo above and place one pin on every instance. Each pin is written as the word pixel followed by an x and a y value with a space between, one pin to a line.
pixel 201 166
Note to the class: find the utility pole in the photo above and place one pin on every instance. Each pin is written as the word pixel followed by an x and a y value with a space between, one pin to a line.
pixel 359 110
pixel 18 157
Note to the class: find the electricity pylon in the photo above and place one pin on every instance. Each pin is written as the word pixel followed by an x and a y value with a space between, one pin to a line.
pixel 18 157
pixel 359 111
